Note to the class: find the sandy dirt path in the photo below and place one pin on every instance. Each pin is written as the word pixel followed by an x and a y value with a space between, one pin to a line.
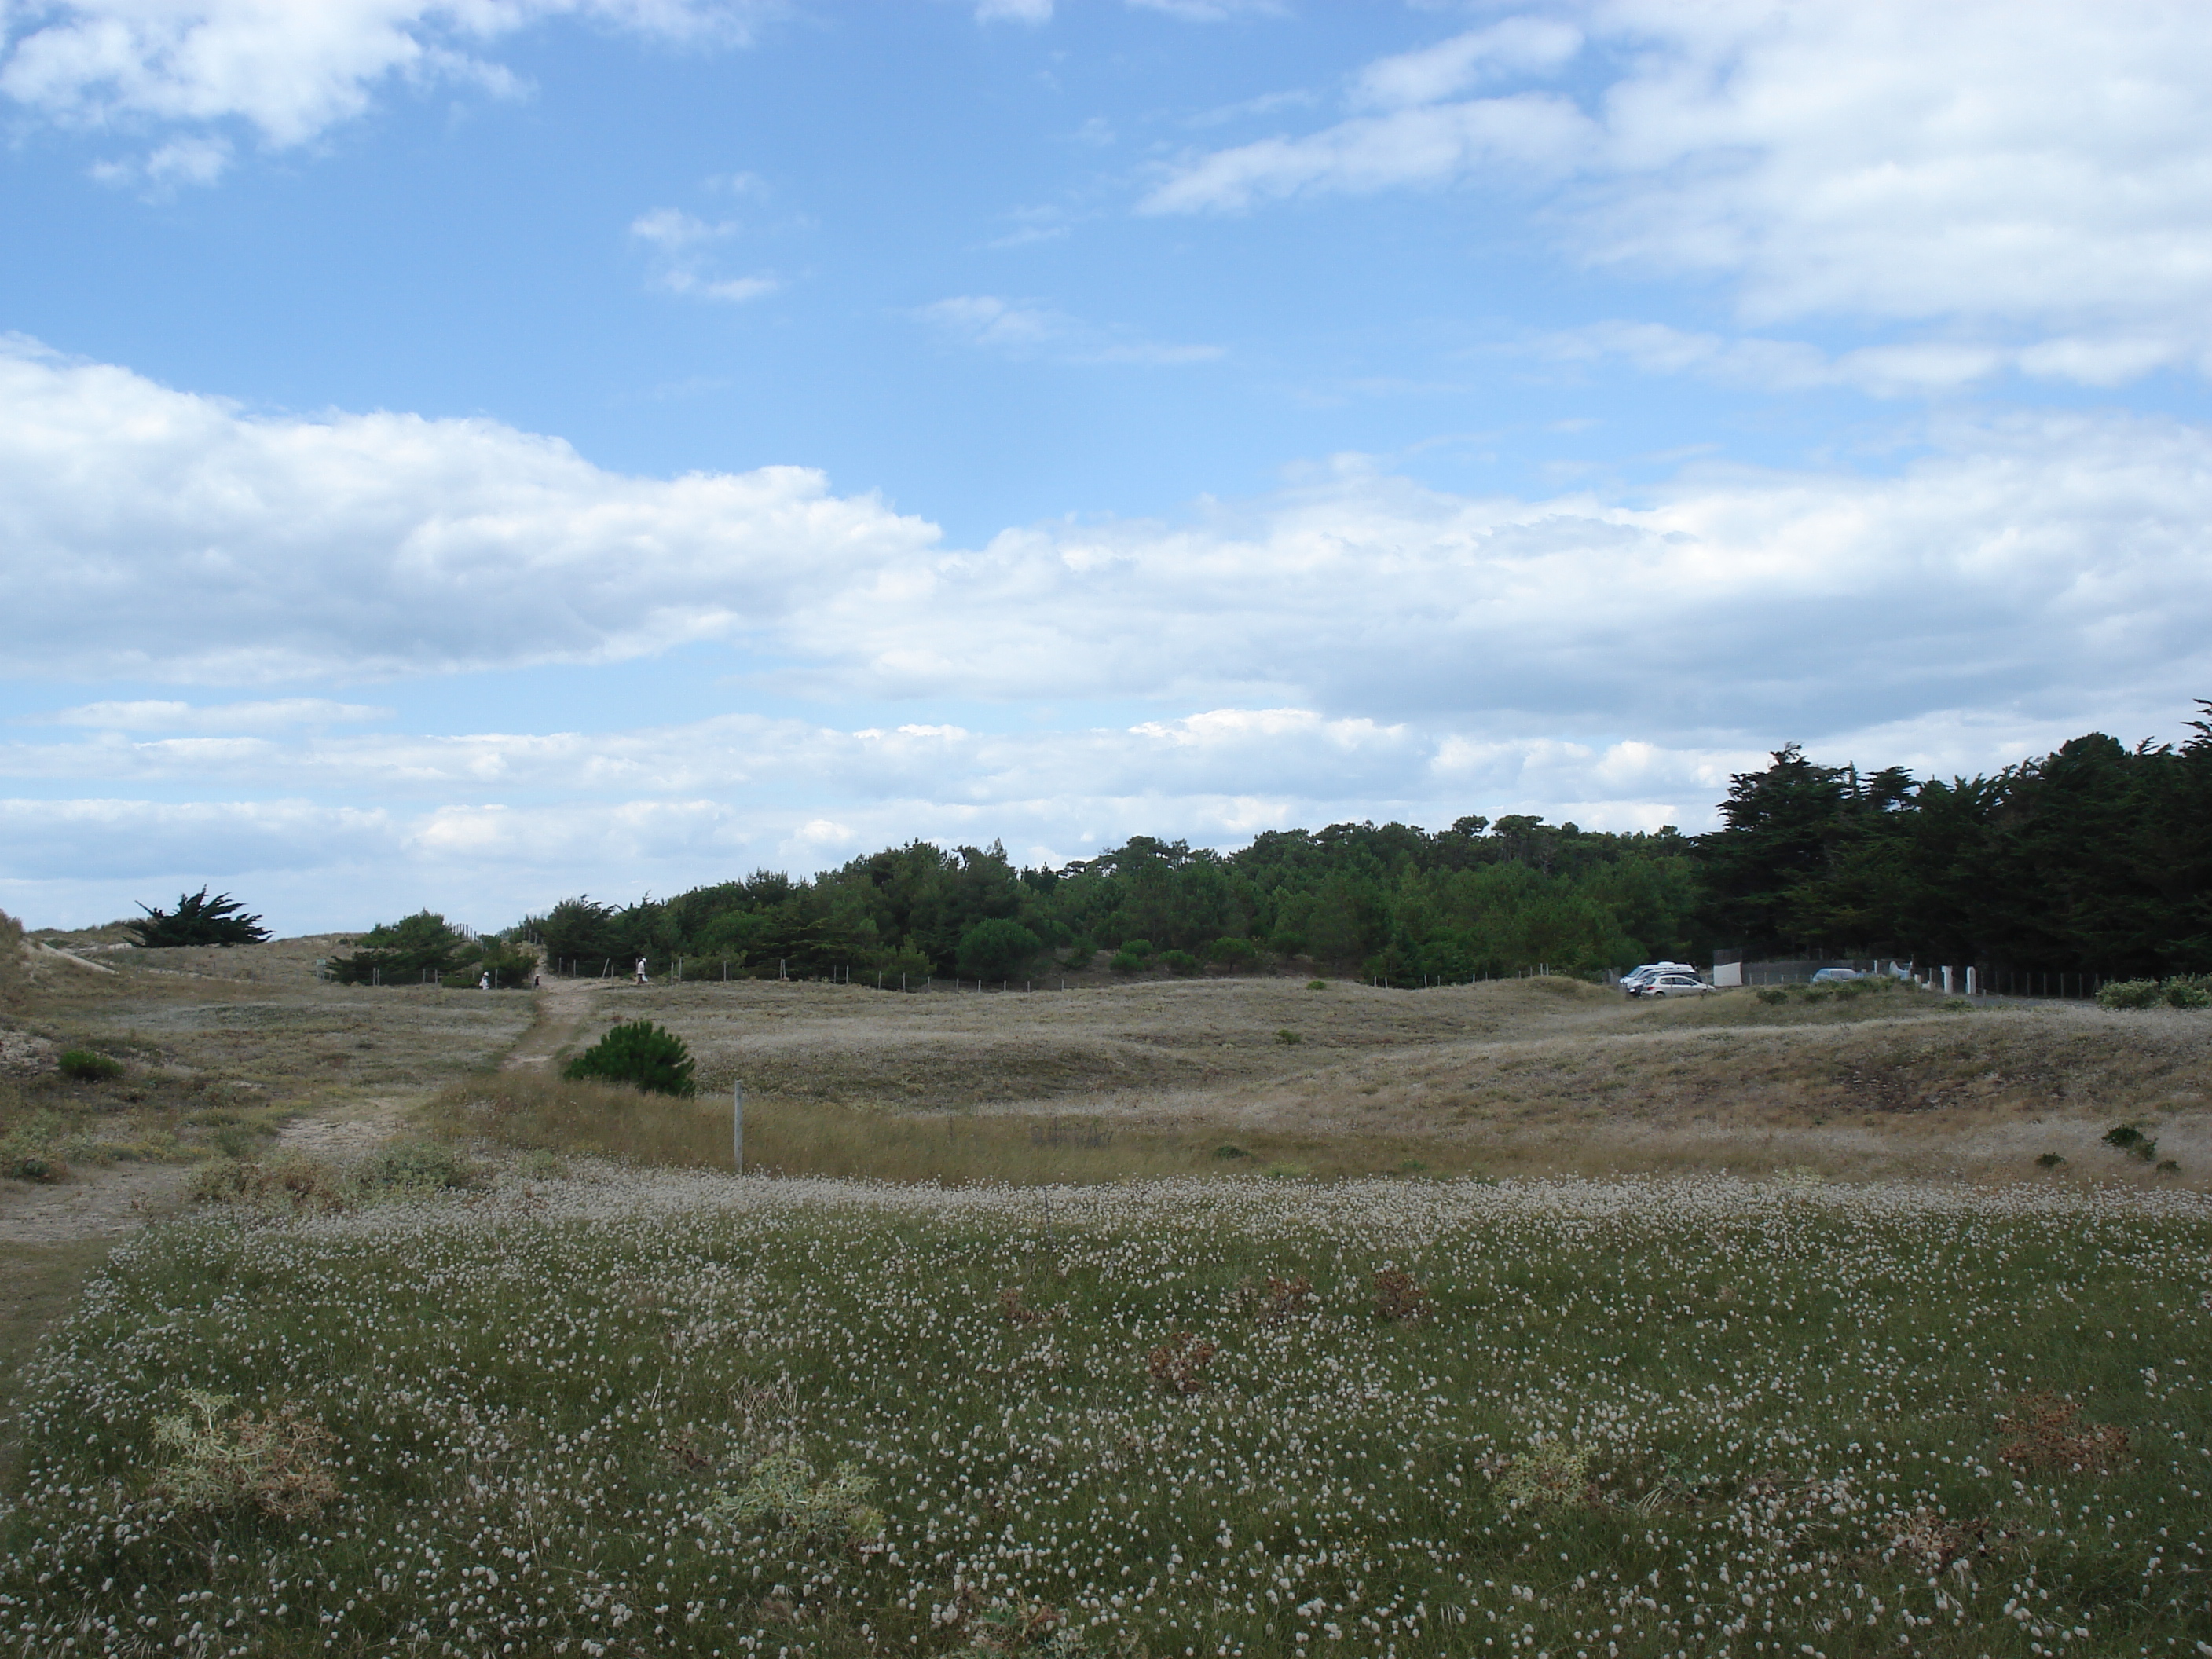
pixel 563 1005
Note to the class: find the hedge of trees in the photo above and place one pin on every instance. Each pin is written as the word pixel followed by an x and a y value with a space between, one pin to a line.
pixel 2097 858
pixel 1398 901
pixel 425 947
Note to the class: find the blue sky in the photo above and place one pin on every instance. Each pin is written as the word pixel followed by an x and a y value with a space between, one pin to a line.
pixel 469 454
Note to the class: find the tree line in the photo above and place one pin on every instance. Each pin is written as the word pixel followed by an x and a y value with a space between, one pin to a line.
pixel 2095 858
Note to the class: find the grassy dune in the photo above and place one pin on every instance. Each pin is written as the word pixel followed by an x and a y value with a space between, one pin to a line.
pixel 1536 1077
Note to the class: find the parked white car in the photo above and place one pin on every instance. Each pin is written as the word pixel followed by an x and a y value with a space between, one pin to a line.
pixel 1673 984
pixel 1634 981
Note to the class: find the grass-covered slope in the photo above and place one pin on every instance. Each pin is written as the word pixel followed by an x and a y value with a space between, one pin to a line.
pixel 665 1413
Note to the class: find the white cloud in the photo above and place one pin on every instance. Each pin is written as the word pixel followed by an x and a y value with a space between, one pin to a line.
pixel 2043 175
pixel 1212 11
pixel 1023 327
pixel 1534 133
pixel 165 716
pixel 291 70
pixel 153 531
pixel 680 243
pixel 1013 11
pixel 1517 45
pixel 985 319
pixel 2065 558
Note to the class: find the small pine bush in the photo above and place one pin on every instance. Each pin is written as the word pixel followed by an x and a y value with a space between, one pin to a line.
pixel 639 1053
pixel 2126 1138
pixel 86 1066
pixel 1180 963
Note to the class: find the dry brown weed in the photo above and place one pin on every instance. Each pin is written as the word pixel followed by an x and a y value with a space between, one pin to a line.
pixel 2045 1431
pixel 279 1464
pixel 1018 1313
pixel 1397 1297
pixel 1179 1365
pixel 1935 1542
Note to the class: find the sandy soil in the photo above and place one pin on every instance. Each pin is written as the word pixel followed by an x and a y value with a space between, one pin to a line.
pixel 93 1204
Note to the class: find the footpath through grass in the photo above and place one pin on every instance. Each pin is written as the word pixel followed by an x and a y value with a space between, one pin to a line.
pixel 656 1412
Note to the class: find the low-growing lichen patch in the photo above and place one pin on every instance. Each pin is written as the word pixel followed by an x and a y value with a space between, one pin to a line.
pixel 637 1413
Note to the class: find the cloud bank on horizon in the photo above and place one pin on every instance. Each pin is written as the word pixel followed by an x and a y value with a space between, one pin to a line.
pixel 1546 408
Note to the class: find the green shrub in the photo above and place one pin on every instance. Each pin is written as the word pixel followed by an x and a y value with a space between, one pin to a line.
pixel 1136 947
pixel 1081 953
pixel 1233 952
pixel 1178 962
pixel 417 1166
pixel 639 1053
pixel 1288 1036
pixel 237 1139
pixel 2126 1138
pixel 1317 985
pixel 1227 1151
pixel 294 1183
pixel 1125 963
pixel 2049 1161
pixel 2188 993
pixel 2130 994
pixel 40 1164
pixel 86 1066
pixel 1773 994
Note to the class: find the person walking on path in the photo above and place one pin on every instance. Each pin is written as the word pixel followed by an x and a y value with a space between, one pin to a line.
pixel 641 970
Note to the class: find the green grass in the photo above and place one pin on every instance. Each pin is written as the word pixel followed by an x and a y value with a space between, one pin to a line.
pixel 1637 1419
pixel 38 1283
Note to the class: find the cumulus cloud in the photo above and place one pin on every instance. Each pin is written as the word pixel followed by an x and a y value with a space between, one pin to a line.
pixel 284 547
pixel 291 71
pixel 2060 557
pixel 2038 173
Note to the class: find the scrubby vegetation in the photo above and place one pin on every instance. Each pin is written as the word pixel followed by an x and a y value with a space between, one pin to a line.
pixel 2183 991
pixel 1224 1417
pixel 425 949
pixel 197 920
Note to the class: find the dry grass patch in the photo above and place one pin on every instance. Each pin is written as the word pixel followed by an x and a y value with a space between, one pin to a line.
pixel 544 1115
